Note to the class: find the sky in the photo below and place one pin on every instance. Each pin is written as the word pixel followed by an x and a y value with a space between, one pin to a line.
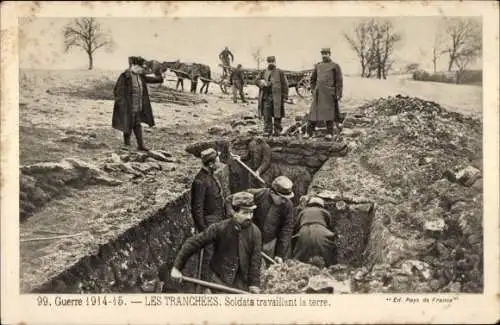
pixel 294 41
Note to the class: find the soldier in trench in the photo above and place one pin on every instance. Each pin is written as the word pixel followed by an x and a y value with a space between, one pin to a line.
pixel 132 106
pixel 274 217
pixel 236 261
pixel 313 233
pixel 258 158
pixel 327 84
pixel 207 202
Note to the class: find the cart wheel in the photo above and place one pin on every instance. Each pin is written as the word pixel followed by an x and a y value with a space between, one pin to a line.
pixel 303 89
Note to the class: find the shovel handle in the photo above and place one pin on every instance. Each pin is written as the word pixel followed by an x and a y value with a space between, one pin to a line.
pixel 254 174
pixel 268 258
pixel 212 285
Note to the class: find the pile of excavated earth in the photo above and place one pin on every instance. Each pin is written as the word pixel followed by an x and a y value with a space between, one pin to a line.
pixel 421 167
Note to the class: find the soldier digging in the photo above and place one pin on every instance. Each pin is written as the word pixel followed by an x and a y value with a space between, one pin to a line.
pixel 313 234
pixel 273 92
pixel 207 202
pixel 132 105
pixel 236 261
pixel 326 82
pixel 274 217
pixel 258 158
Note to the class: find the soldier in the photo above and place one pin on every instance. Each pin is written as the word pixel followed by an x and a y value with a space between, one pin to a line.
pixel 313 234
pixel 326 80
pixel 132 105
pixel 274 217
pixel 236 81
pixel 236 261
pixel 226 57
pixel 273 92
pixel 258 158
pixel 207 202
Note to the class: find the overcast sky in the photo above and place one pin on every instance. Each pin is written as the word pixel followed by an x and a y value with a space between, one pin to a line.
pixel 294 41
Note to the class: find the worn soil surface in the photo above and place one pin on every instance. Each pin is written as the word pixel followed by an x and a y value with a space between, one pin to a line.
pixel 101 190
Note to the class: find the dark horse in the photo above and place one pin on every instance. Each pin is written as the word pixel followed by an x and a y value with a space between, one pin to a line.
pixel 191 71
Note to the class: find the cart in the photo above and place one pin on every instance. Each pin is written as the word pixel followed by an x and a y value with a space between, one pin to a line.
pixel 300 80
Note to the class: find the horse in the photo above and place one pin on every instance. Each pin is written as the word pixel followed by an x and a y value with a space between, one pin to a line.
pixel 191 71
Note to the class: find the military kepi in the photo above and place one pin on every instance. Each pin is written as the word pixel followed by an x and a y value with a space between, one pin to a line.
pixel 137 60
pixel 271 58
pixel 208 155
pixel 243 200
pixel 325 50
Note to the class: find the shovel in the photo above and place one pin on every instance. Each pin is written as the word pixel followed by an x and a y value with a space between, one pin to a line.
pixel 214 286
pixel 254 174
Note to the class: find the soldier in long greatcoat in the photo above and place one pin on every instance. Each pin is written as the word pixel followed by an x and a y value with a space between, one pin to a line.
pixel 326 80
pixel 132 105
pixel 273 92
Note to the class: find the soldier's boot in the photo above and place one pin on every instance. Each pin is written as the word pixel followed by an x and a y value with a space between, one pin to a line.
pixel 277 127
pixel 309 130
pixel 140 140
pixel 329 130
pixel 126 139
pixel 268 126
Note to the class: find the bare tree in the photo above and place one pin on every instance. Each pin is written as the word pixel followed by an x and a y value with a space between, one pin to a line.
pixel 360 44
pixel 438 48
pixel 86 34
pixel 464 40
pixel 383 40
pixel 257 56
pixel 374 44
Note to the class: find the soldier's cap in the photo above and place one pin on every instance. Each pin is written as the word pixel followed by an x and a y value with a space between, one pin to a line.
pixel 208 155
pixel 137 60
pixel 325 50
pixel 271 58
pixel 239 66
pixel 243 200
pixel 316 200
pixel 283 186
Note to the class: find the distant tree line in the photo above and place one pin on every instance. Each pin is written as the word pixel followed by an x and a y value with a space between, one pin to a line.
pixel 374 41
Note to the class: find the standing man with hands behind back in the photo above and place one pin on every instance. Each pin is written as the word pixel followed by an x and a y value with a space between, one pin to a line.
pixel 327 84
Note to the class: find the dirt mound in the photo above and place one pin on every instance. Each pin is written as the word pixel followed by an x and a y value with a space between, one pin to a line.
pixel 40 183
pixel 421 166
pixel 103 90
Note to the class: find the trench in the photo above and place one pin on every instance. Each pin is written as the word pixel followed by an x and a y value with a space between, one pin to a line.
pixel 142 256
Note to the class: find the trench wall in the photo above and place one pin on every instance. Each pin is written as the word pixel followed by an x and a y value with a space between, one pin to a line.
pixel 144 254
pixel 124 264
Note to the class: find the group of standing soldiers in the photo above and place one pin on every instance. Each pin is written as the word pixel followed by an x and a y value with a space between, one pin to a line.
pixel 132 106
pixel 326 84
